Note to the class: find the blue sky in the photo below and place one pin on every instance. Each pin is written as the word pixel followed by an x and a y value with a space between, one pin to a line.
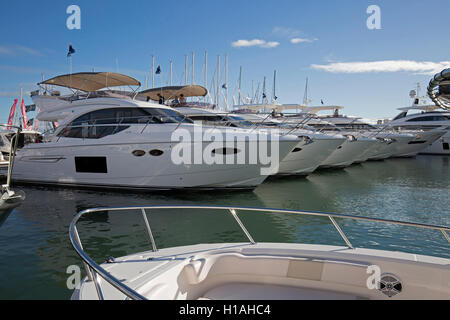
pixel 370 72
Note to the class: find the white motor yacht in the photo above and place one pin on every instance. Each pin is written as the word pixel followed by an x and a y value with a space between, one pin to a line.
pixel 262 271
pixel 312 151
pixel 427 118
pixel 105 139
pixel 353 150
pixel 392 143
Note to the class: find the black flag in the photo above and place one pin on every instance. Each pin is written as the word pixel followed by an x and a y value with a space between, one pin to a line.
pixel 30 108
pixel 71 51
pixel 158 70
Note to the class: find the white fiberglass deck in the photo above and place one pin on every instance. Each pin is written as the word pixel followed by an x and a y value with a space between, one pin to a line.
pixel 259 271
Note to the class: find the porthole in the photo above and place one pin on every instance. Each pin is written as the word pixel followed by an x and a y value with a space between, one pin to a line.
pixel 156 152
pixel 138 153
pixel 226 151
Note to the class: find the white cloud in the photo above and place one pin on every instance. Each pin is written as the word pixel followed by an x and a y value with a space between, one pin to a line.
pixel 302 40
pixel 420 67
pixel 255 43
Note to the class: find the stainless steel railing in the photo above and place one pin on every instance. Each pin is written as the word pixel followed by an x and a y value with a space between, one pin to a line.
pixel 94 270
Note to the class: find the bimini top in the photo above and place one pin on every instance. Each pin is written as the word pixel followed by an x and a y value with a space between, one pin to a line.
pixel 174 92
pixel 92 81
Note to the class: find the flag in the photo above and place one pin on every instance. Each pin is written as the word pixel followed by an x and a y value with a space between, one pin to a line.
pixel 158 70
pixel 24 115
pixel 275 98
pixel 264 96
pixel 71 51
pixel 30 108
pixel 224 86
pixel 321 101
pixel 30 123
pixel 12 112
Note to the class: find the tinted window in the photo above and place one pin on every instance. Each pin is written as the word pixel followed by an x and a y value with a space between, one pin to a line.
pixel 429 118
pixel 101 123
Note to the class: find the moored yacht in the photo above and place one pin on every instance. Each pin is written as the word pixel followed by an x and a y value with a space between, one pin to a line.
pixel 108 139
pixel 398 143
pixel 427 118
pixel 316 147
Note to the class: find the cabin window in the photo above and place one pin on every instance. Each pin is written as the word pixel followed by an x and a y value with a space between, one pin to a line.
pixel 445 146
pixel 91 165
pixel 101 123
pixel 430 118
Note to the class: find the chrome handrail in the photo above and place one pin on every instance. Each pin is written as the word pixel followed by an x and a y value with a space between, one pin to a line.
pixel 94 270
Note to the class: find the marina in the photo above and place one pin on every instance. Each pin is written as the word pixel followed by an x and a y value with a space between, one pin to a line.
pixel 217 183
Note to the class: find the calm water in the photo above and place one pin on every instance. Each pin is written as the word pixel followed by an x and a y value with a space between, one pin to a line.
pixel 35 250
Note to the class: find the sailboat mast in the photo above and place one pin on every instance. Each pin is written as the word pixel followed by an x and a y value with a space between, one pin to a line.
pixel 218 83
pixel 274 85
pixel 240 84
pixel 305 97
pixel 153 71
pixel 192 75
pixel 264 91
pixel 185 69
pixel 171 67
pixel 226 82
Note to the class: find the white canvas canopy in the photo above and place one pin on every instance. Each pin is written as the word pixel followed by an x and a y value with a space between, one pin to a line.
pixel 174 92
pixel 92 81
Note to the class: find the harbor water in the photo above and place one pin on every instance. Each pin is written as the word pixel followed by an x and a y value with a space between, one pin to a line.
pixel 35 250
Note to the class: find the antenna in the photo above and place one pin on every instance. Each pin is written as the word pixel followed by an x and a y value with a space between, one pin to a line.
pixel 240 84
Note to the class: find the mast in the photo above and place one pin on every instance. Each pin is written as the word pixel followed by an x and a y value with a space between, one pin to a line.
pixel 170 76
pixel 206 69
pixel 240 84
pixel 264 91
pixel 192 75
pixel 185 69
pixel 274 85
pixel 253 90
pixel 153 71
pixel 226 82
pixel 305 97
pixel 218 82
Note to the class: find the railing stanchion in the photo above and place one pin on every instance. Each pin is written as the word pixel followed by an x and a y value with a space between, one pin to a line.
pixel 341 232
pixel 98 286
pixel 86 267
pixel 445 235
pixel 149 230
pixel 235 216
